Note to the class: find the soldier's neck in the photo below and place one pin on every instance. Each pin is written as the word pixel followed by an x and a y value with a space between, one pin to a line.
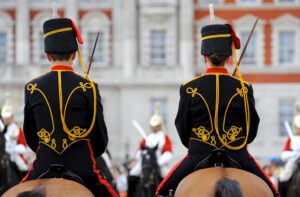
pixel 64 62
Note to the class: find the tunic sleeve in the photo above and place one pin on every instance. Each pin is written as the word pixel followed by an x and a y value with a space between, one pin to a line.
pixel 183 119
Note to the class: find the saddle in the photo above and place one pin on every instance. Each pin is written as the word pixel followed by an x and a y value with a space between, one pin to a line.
pixel 60 171
pixel 217 158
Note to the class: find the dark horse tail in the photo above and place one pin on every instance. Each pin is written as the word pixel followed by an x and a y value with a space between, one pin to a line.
pixel 228 188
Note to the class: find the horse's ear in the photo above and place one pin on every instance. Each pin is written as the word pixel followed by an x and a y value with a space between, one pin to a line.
pixel 155 147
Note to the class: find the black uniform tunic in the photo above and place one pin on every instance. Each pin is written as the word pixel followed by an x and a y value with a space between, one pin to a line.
pixel 212 114
pixel 63 96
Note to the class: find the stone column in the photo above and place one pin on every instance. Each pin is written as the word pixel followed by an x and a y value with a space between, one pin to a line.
pixel 117 29
pixel 22 33
pixel 186 38
pixel 130 37
pixel 71 10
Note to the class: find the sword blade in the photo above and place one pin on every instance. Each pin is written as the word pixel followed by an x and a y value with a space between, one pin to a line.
pixel 246 45
pixel 92 56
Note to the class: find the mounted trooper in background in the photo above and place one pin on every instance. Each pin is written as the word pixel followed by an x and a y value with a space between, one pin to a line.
pixel 164 154
pixel 291 152
pixel 15 145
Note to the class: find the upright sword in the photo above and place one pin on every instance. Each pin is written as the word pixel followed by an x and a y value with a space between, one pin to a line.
pixel 245 47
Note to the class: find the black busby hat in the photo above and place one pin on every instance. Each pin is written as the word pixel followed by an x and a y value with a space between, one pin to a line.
pixel 60 36
pixel 217 39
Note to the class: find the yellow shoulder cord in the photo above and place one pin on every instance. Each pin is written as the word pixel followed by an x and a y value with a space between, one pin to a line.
pixel 246 106
pixel 62 117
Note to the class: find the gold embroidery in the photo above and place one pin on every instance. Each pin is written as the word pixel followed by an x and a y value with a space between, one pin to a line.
pixel 53 144
pixel 227 136
pixel 242 91
pixel 31 87
pixel 44 135
pixel 192 91
pixel 233 132
pixel 64 144
pixel 202 133
pixel 76 132
pixel 213 141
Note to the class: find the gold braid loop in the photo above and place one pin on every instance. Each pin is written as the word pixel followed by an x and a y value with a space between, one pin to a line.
pixel 233 132
pixel 85 86
pixel 242 91
pixel 44 135
pixel 192 91
pixel 202 133
pixel 31 87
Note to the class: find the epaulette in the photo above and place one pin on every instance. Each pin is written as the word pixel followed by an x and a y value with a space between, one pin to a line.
pixel 38 77
pixel 191 80
pixel 240 79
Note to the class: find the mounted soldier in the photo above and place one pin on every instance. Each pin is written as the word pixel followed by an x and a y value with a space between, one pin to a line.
pixel 216 111
pixel 157 138
pixel 290 153
pixel 15 146
pixel 63 114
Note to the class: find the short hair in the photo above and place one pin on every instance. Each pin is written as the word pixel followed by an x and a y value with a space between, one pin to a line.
pixel 60 56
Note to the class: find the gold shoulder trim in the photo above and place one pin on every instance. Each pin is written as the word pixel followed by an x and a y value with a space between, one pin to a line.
pixel 191 80
pixel 38 76
pixel 239 79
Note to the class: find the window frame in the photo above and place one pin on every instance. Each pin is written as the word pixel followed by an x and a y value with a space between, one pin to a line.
pixel 154 50
pixel 285 23
pixel 104 27
pixel 245 23
pixel 6 26
pixel 36 25
pixel 291 101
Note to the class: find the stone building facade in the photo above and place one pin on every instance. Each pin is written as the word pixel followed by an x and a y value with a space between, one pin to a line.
pixel 147 48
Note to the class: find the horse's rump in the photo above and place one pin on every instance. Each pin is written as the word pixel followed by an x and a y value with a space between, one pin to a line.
pixel 53 187
pixel 202 183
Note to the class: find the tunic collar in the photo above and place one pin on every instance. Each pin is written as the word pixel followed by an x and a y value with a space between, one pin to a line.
pixel 216 70
pixel 60 67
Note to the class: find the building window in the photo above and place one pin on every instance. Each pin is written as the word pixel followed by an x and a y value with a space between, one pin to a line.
pixel 248 2
pixel 285 41
pixel 92 23
pixel 250 56
pixel 37 36
pixel 6 38
pixel 162 103
pixel 286 47
pixel 287 1
pixel 99 50
pixel 3 48
pixel 158 47
pixel 42 55
pixel 286 113
pixel 207 2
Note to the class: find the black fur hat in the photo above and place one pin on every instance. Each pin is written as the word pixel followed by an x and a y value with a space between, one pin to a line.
pixel 60 36
pixel 217 39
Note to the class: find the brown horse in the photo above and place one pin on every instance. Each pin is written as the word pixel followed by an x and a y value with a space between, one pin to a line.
pixel 52 187
pixel 207 182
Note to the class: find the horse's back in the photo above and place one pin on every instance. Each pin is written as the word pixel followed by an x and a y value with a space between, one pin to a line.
pixel 53 187
pixel 202 183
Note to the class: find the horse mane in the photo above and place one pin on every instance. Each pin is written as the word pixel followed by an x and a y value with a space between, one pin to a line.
pixel 228 188
pixel 37 192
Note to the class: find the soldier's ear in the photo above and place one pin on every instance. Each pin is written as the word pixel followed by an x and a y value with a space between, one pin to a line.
pixel 49 57
pixel 73 55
